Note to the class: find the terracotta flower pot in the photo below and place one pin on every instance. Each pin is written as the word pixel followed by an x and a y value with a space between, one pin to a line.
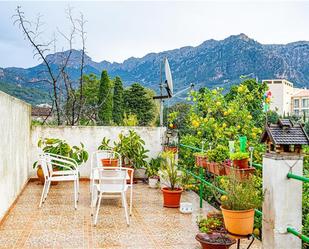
pixel 214 241
pixel 239 222
pixel 173 149
pixel 240 174
pixel 109 162
pixel 201 161
pixel 241 164
pixel 171 198
pixel 219 169
pixel 211 167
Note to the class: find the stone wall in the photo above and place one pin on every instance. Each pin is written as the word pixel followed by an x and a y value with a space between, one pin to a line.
pixel 14 148
pixel 91 137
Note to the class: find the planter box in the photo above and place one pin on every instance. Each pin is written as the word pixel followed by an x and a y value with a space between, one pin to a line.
pixel 201 161
pixel 173 149
pixel 239 173
pixel 216 168
pixel 241 164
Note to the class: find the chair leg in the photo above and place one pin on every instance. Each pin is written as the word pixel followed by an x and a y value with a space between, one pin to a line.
pixel 97 211
pixel 94 200
pixel 123 196
pixel 75 194
pixel 43 193
pixel 131 197
pixel 47 189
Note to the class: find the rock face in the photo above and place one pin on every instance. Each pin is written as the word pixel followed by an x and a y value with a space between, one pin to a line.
pixel 212 63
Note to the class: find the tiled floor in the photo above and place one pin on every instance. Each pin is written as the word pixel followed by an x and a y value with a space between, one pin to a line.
pixel 58 225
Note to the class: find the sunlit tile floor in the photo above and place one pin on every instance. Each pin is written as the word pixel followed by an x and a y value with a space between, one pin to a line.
pixel 58 225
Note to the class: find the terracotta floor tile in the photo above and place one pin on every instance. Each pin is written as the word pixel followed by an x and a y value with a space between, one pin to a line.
pixel 58 225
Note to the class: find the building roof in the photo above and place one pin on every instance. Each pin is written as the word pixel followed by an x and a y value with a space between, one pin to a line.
pixel 40 111
pixel 285 132
pixel 301 93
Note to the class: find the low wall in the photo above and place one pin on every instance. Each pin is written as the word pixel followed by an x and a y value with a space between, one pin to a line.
pixel 14 148
pixel 91 137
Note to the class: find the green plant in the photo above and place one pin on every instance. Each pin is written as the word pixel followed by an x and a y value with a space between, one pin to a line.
pixel 169 170
pixel 105 99
pixel 210 225
pixel 241 195
pixel 105 144
pixel 153 167
pixel 239 155
pixel 130 120
pixel 219 154
pixel 201 154
pixel 118 102
pixel 61 147
pixel 131 148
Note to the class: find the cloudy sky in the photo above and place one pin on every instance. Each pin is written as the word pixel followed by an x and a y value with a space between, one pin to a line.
pixel 118 30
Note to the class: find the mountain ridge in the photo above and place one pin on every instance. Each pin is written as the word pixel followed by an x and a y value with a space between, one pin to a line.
pixel 212 63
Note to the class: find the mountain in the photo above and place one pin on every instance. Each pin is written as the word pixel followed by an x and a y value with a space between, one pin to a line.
pixel 212 63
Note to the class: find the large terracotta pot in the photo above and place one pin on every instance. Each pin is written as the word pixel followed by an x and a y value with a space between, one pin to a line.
pixel 241 164
pixel 171 198
pixel 201 161
pixel 214 241
pixel 40 174
pixel 109 162
pixel 239 222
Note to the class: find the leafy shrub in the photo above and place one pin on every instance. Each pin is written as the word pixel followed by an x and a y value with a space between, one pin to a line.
pixel 219 154
pixel 239 155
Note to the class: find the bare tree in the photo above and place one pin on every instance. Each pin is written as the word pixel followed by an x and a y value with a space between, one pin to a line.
pixel 68 106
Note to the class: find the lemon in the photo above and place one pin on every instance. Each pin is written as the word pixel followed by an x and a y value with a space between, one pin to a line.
pixel 256 232
pixel 225 113
pixel 171 125
pixel 223 198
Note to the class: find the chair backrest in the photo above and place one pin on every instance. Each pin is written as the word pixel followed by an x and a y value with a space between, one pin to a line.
pixel 51 161
pixel 112 179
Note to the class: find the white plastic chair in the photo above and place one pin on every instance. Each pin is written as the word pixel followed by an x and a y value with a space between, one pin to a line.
pixel 112 180
pixel 96 162
pixel 69 173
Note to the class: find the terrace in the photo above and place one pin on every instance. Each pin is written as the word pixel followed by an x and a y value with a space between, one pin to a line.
pixel 58 225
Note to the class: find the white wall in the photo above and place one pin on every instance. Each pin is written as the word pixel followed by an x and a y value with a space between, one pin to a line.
pixel 14 147
pixel 91 137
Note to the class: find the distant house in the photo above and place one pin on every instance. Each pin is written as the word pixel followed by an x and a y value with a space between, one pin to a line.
pixel 287 99
pixel 42 113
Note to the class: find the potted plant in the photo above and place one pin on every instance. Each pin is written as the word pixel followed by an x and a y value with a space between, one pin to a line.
pixel 172 176
pixel 241 198
pixel 212 234
pixel 217 159
pixel 152 171
pixel 108 162
pixel 240 160
pixel 201 159
pixel 214 240
pixel 134 155
pixel 171 146
pixel 60 147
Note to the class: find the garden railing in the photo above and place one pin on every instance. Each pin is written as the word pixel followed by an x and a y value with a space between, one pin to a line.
pixel 203 182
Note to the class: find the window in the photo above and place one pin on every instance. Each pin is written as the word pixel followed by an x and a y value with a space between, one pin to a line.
pixel 296 103
pixel 305 103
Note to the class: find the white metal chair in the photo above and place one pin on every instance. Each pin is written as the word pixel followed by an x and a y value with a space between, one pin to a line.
pixel 112 180
pixel 69 173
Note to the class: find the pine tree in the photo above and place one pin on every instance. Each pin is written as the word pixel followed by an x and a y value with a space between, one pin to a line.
pixel 139 102
pixel 105 99
pixel 118 106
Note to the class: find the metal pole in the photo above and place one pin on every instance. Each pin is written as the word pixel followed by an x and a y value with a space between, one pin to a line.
pixel 201 187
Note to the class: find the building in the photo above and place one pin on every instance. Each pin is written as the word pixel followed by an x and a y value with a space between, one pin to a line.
pixel 288 100
pixel 41 113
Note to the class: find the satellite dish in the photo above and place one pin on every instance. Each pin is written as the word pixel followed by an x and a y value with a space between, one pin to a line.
pixel 168 77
